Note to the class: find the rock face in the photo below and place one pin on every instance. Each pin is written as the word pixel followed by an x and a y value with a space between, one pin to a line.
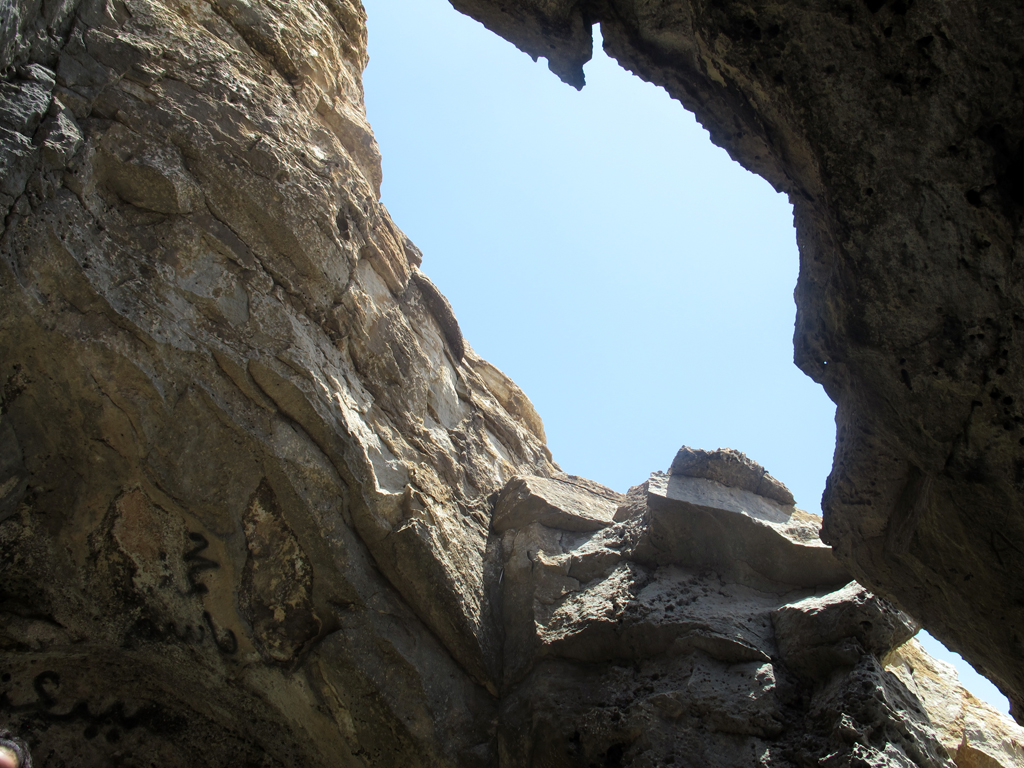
pixel 568 502
pixel 262 505
pixel 971 731
pixel 896 128
pixel 245 453
pixel 624 648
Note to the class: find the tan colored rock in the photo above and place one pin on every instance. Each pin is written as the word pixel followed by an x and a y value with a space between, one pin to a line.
pixel 263 447
pixel 974 734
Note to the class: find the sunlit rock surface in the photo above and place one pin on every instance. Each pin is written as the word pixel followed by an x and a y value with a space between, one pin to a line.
pixel 973 733
pixel 614 656
pixel 245 453
pixel 895 127
pixel 262 505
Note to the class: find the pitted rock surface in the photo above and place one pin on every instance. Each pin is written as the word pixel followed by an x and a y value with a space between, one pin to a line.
pixel 611 658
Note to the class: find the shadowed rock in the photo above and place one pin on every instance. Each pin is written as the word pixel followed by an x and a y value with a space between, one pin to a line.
pixel 610 655
pixel 819 635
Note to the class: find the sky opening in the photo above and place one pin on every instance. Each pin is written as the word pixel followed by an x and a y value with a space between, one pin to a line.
pixel 596 247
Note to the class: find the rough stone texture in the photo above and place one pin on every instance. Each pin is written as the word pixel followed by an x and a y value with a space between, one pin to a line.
pixel 568 502
pixel 245 453
pixel 896 128
pixel 702 523
pixel 613 660
pixel 973 733
pixel 818 634
pixel 732 468
pixel 248 463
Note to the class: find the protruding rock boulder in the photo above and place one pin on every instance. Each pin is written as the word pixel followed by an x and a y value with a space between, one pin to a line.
pixel 732 468
pixel 702 523
pixel 616 657
pixel 567 502
pixel 820 634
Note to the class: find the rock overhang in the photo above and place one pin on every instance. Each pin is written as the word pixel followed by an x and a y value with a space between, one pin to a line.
pixel 249 461
pixel 895 129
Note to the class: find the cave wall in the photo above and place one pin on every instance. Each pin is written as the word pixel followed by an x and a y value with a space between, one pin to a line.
pixel 895 128
pixel 262 505
pixel 246 453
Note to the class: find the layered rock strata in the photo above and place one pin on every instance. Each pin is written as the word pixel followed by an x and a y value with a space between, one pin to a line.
pixel 896 128
pixel 262 505
pixel 709 626
pixel 245 453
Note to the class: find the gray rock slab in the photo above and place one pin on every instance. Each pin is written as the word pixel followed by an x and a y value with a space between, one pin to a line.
pixel 732 468
pixel 570 504
pixel 22 105
pixel 700 523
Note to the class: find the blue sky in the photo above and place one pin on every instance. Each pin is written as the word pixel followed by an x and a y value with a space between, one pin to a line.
pixel 595 246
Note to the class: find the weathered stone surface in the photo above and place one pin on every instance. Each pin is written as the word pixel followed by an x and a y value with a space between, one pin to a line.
pixel 567 502
pixel 704 524
pixel 973 733
pixel 818 635
pixel 871 719
pixel 897 130
pixel 732 468
pixel 247 460
pixel 245 453
pixel 613 660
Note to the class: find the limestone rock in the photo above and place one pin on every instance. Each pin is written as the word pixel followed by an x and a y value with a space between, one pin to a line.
pixel 974 734
pixel 568 503
pixel 704 524
pixel 870 718
pixel 613 659
pixel 248 463
pixel 896 129
pixel 732 468
pixel 245 453
pixel 818 635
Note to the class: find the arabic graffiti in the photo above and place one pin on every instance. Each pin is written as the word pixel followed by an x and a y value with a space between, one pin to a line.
pixel 117 717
